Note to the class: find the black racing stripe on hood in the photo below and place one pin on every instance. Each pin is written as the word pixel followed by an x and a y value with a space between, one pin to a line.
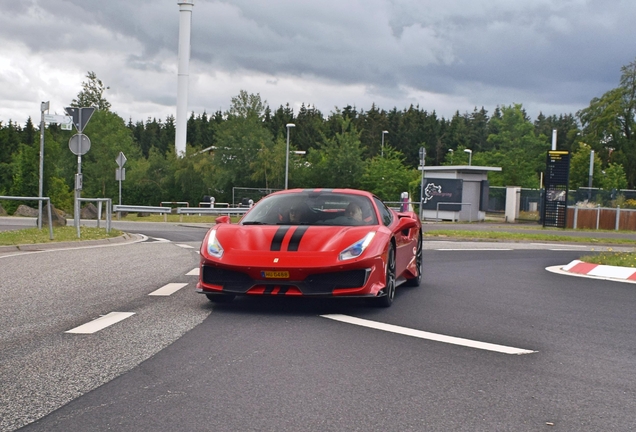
pixel 294 242
pixel 277 241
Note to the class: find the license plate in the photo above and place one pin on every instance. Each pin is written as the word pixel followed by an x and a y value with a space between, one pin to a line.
pixel 275 274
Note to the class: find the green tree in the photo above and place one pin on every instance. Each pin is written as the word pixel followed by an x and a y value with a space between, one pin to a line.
pixel 580 168
pixel 614 177
pixel 608 123
pixel 338 161
pixel 92 94
pixel 239 140
pixel 387 176
pixel 109 136
pixel 516 149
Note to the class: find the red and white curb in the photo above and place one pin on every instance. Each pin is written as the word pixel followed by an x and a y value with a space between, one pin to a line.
pixel 596 271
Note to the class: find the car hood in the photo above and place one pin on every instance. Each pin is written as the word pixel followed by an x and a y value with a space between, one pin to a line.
pixel 289 238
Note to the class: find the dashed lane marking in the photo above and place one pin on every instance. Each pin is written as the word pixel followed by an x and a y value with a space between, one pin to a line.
pixel 185 246
pixel 426 335
pixel 101 323
pixel 193 272
pixel 168 289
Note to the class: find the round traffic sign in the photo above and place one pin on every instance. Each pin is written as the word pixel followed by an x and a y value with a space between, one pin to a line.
pixel 79 144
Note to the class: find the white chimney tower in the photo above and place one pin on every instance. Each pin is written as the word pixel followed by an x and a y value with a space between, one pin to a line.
pixel 185 22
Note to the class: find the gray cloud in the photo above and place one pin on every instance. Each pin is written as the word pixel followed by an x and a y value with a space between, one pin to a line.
pixel 550 55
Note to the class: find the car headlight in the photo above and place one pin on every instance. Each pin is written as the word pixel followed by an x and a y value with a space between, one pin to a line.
pixel 214 247
pixel 356 249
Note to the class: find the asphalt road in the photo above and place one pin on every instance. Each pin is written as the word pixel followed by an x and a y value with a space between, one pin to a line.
pixel 181 363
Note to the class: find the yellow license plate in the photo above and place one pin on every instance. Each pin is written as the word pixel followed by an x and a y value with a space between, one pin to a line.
pixel 275 274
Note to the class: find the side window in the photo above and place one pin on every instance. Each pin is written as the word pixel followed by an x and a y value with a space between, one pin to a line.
pixel 385 213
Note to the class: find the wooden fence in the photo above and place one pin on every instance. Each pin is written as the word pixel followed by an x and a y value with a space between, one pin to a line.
pixel 601 218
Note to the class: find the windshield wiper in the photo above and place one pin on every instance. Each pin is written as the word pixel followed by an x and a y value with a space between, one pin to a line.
pixel 254 223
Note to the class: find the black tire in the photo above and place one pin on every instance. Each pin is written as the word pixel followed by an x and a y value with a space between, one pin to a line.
pixel 386 299
pixel 416 281
pixel 220 298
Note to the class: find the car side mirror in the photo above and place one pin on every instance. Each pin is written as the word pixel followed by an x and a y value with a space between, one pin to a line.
pixel 223 219
pixel 405 224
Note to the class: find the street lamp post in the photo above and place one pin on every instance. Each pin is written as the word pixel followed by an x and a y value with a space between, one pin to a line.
pixel 289 125
pixel 470 156
pixel 452 153
pixel 382 151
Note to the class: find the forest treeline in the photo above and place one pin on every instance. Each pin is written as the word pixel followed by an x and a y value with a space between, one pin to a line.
pixel 246 147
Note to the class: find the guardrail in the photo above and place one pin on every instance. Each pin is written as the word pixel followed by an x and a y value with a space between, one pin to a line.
pixel 48 205
pixel 209 211
pixel 144 209
pixel 99 201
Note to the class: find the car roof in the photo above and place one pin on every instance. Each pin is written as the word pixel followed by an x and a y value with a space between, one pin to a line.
pixel 344 191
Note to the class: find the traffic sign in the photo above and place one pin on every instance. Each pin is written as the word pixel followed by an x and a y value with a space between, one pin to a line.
pixel 55 118
pixel 80 116
pixel 79 144
pixel 121 159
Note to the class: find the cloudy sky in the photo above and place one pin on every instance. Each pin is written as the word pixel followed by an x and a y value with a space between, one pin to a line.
pixel 552 56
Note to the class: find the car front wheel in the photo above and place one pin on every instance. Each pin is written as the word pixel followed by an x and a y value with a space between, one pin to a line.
pixel 386 299
pixel 418 262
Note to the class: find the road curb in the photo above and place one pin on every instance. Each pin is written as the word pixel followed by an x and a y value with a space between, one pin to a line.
pixel 581 268
pixel 125 238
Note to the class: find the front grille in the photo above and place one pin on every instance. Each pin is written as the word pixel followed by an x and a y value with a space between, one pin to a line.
pixel 230 280
pixel 327 282
pixel 315 284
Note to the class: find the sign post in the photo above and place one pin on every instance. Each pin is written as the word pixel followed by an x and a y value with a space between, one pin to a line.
pixel 120 175
pixel 44 106
pixel 79 144
pixel 555 198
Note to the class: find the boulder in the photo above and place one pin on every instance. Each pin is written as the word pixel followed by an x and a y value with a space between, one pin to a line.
pixel 26 211
pixel 89 211
pixel 58 217
pixel 3 212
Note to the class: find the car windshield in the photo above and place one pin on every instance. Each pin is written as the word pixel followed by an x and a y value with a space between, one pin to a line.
pixel 312 208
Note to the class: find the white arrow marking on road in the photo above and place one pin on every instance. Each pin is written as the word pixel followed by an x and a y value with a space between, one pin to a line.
pixel 101 323
pixel 160 240
pixel 168 289
pixel 426 335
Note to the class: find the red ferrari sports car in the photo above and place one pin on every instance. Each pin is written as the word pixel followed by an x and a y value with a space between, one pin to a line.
pixel 313 242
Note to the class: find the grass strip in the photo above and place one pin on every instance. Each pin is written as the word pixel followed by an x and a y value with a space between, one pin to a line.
pixel 60 234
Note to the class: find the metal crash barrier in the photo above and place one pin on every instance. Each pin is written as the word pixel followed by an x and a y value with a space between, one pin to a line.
pixel 209 211
pixel 143 209
pixel 99 201
pixel 48 206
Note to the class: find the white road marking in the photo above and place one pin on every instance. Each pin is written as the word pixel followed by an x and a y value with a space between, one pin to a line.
pixel 101 323
pixel 193 272
pixel 426 335
pixel 168 289
pixel 160 240
pixel 185 246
